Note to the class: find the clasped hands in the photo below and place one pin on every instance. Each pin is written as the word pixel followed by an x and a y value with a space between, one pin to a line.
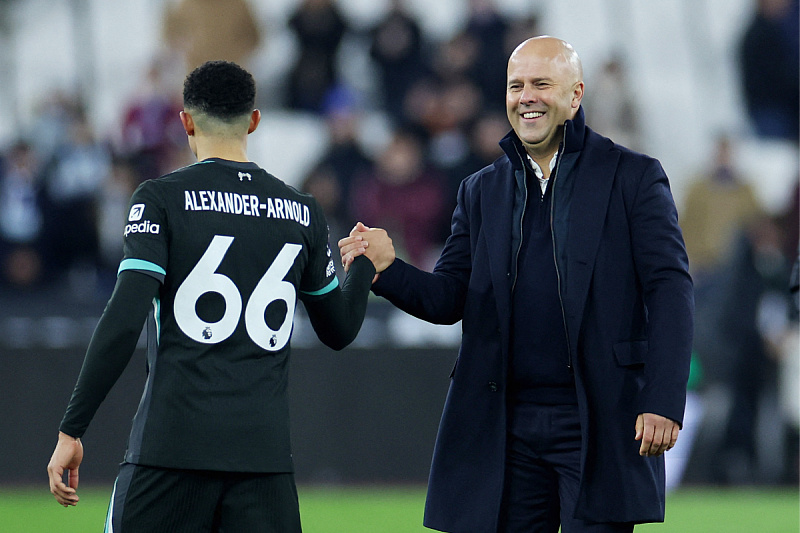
pixel 656 433
pixel 375 243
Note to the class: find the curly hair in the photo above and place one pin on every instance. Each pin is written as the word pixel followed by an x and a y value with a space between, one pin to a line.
pixel 220 89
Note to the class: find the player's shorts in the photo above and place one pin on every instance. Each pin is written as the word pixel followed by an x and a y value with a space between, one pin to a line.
pixel 148 499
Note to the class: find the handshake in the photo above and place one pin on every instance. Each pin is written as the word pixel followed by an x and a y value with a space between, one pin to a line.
pixel 372 242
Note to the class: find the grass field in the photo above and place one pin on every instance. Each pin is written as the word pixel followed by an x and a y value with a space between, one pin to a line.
pixel 382 509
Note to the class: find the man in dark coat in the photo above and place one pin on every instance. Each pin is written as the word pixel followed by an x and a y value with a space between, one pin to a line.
pixel 567 268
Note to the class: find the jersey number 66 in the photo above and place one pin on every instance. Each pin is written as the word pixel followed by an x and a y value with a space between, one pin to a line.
pixel 272 287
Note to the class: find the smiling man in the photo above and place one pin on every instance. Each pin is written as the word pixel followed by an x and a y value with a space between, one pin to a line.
pixel 567 268
pixel 544 90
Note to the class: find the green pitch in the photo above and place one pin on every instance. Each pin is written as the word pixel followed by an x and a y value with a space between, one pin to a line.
pixel 382 509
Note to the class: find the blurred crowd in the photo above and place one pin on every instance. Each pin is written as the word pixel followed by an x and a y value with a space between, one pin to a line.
pixel 64 189
pixel 746 399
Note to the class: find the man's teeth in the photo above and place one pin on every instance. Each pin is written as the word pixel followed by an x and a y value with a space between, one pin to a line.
pixel 532 114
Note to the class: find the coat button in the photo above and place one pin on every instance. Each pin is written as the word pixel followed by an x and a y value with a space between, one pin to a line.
pixel 493 386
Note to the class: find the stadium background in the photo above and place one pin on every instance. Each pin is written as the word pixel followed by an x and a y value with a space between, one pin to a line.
pixel 680 54
pixel 367 415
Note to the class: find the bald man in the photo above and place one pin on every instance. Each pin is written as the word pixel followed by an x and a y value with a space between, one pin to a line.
pixel 568 271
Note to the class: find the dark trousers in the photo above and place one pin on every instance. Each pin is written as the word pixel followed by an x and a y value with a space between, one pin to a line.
pixel 147 500
pixel 543 472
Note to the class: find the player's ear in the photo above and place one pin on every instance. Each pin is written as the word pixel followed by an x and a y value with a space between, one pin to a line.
pixel 255 118
pixel 188 123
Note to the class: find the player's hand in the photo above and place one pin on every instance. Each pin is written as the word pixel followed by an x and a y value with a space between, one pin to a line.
pixel 375 243
pixel 353 245
pixel 657 433
pixel 66 457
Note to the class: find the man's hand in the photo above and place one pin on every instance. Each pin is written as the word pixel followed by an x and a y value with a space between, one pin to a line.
pixel 67 456
pixel 657 433
pixel 375 243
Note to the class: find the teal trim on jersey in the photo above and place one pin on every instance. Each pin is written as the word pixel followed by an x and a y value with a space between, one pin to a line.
pixel 325 290
pixel 109 528
pixel 157 316
pixel 140 264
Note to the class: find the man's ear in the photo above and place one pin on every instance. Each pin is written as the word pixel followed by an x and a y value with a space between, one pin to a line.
pixel 577 95
pixel 255 118
pixel 188 123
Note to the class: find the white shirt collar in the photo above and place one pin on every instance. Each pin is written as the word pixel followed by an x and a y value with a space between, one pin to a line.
pixel 537 170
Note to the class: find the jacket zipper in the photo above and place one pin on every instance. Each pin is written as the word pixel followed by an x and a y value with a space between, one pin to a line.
pixel 521 220
pixel 555 255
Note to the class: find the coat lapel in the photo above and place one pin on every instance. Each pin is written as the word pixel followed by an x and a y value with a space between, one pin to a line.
pixel 497 198
pixel 594 179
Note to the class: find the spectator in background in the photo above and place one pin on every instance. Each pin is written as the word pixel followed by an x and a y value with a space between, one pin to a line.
pixel 475 55
pixel 484 136
pixel 770 74
pixel 447 126
pixel 21 217
pixel 405 196
pixel 319 28
pixel 421 108
pixel 749 312
pixel 331 179
pixel 73 178
pixel 323 184
pixel 489 29
pixel 53 120
pixel 519 29
pixel 202 30
pixel 441 106
pixel 150 135
pixel 344 156
pixel 456 58
pixel 396 48
pixel 719 202
pixel 611 106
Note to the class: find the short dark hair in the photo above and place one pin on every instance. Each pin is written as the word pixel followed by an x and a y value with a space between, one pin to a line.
pixel 221 89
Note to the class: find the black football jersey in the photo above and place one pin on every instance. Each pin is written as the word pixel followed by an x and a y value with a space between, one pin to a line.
pixel 234 248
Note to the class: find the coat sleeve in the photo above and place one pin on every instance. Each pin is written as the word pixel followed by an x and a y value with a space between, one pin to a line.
pixel 663 269
pixel 439 296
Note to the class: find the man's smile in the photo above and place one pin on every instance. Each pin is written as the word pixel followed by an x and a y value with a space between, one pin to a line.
pixel 530 115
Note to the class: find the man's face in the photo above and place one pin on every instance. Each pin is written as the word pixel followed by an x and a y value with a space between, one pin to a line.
pixel 542 92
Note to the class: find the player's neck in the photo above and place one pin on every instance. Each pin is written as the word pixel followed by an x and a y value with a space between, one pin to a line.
pixel 231 150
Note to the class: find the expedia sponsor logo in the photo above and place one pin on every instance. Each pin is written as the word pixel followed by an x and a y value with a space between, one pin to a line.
pixel 137 210
pixel 143 227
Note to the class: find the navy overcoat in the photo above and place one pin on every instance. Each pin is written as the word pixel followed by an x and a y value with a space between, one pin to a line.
pixel 628 312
